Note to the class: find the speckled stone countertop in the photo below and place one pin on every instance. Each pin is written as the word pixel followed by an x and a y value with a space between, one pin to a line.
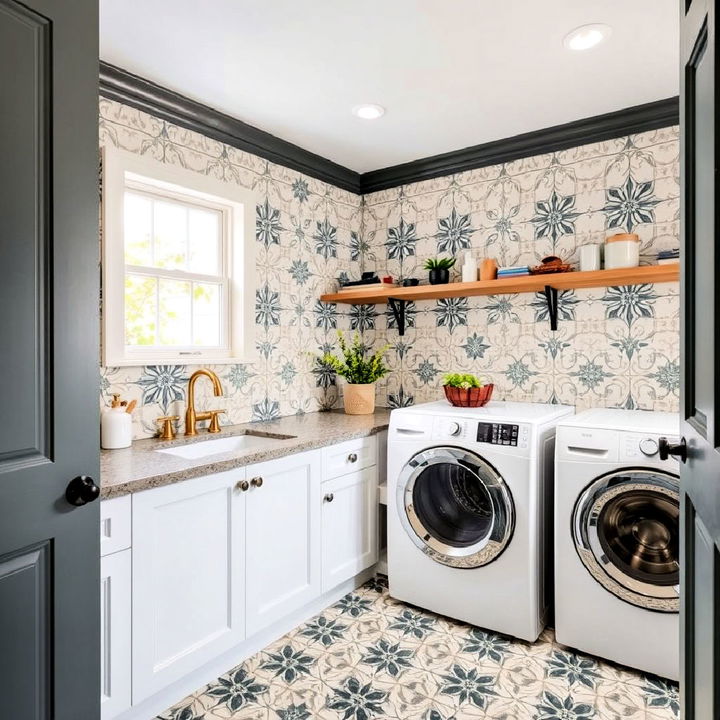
pixel 140 468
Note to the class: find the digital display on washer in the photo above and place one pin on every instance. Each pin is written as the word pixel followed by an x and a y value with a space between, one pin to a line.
pixel 497 433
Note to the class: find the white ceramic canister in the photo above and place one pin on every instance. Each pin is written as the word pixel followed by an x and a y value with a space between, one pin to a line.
pixel 589 257
pixel 115 426
pixel 469 268
pixel 622 251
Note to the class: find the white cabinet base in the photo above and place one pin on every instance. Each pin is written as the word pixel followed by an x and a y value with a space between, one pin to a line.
pixel 115 624
pixel 349 526
pixel 180 689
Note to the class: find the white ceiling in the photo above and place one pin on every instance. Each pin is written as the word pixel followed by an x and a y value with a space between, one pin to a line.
pixel 451 73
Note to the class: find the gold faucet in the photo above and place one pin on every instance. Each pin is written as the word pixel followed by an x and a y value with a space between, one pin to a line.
pixel 191 417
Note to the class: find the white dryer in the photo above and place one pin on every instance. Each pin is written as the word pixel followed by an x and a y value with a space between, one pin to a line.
pixel 469 490
pixel 617 514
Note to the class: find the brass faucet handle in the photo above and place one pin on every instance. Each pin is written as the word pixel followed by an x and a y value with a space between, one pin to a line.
pixel 167 432
pixel 214 426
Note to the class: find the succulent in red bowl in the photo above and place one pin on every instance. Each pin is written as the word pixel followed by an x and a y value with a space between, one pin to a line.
pixel 466 390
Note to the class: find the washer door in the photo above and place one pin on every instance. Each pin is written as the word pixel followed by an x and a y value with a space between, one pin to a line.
pixel 626 527
pixel 455 507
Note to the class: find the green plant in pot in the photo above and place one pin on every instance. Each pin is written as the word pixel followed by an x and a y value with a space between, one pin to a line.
pixel 361 370
pixel 439 270
pixel 466 390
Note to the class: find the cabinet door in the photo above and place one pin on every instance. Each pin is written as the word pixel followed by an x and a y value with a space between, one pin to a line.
pixel 188 577
pixel 349 526
pixel 283 537
pixel 115 633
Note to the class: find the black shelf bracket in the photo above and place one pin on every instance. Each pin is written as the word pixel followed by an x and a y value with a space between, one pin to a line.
pixel 551 296
pixel 398 310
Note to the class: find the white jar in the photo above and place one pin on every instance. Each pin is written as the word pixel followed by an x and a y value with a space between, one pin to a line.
pixel 622 251
pixel 589 257
pixel 469 268
pixel 115 426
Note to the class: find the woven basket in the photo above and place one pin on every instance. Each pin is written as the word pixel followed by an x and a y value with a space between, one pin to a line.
pixel 468 397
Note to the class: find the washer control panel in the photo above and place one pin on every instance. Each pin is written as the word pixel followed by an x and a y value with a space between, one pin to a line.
pixel 468 431
pixel 635 447
pixel 502 434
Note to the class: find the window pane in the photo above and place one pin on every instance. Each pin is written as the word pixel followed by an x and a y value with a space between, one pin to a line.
pixel 206 314
pixel 140 310
pixel 204 241
pixel 175 312
pixel 138 229
pixel 170 235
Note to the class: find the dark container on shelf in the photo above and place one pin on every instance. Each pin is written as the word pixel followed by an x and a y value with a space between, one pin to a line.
pixel 439 276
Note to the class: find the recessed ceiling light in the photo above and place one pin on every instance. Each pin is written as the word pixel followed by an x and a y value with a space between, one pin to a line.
pixel 368 111
pixel 587 36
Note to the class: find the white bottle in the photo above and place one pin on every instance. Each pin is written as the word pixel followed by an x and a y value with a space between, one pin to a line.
pixel 115 426
pixel 469 268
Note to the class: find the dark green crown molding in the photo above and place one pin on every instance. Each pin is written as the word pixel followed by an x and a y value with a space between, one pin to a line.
pixel 120 85
pixel 123 86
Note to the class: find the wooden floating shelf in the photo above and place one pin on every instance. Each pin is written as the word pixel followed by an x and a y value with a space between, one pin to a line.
pixel 373 294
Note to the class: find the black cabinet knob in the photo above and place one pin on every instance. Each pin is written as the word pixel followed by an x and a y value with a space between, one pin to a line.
pixel 667 449
pixel 81 490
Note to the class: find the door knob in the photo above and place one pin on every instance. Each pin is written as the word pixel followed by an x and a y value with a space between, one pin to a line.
pixel 352 457
pixel 667 449
pixel 81 490
pixel 256 482
pixel 329 497
pixel 243 485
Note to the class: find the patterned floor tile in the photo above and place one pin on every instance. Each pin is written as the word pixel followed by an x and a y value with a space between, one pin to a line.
pixel 370 656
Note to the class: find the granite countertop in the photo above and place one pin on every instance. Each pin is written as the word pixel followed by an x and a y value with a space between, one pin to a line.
pixel 140 467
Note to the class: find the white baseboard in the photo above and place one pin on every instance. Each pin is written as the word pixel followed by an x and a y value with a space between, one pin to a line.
pixel 149 708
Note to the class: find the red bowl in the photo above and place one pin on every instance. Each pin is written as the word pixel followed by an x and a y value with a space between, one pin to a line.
pixel 469 397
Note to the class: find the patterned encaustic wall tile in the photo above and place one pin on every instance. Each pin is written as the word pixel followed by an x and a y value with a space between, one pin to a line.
pixel 307 236
pixel 614 347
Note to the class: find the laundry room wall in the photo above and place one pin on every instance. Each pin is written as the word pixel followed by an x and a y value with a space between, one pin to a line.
pixel 614 347
pixel 307 236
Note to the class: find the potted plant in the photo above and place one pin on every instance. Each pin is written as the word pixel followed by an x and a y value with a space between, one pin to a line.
pixel 466 390
pixel 439 270
pixel 360 370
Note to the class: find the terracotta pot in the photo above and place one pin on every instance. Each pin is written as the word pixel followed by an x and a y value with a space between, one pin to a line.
pixel 469 397
pixel 359 399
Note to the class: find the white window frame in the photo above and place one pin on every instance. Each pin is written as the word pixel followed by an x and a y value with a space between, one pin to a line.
pixel 127 171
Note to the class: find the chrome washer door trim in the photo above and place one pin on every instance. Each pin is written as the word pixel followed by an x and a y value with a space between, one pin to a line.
pixel 495 541
pixel 586 520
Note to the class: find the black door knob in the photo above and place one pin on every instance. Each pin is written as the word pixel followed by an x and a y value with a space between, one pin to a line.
pixel 667 449
pixel 81 490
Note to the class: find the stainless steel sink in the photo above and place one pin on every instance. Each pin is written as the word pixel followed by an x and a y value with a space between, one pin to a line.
pixel 233 443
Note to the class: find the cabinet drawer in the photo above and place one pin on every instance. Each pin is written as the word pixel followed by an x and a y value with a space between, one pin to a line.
pixel 349 456
pixel 115 524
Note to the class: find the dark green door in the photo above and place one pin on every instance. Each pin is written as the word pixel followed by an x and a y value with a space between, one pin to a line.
pixel 49 547
pixel 700 404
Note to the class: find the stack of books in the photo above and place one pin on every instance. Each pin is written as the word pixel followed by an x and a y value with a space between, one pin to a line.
pixel 513 271
pixel 666 257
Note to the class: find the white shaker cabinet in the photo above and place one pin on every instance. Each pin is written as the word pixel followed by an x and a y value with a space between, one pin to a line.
pixel 115 628
pixel 188 555
pixel 349 526
pixel 282 539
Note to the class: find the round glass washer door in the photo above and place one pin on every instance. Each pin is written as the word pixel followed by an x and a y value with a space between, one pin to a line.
pixel 455 507
pixel 626 527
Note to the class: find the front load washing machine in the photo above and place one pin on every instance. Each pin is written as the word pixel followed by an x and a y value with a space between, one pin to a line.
pixel 469 490
pixel 617 511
